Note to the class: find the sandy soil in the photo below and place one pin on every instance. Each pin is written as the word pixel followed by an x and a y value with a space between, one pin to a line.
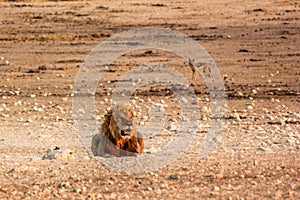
pixel 255 45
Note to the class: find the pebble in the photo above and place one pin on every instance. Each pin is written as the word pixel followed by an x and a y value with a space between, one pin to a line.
pixel 249 107
pixel 57 153
pixel 5 115
pixel 65 184
pixel 173 177
pixel 3 62
pixel 215 188
pixel 204 109
pixel 236 116
pixel 145 118
pixel 158 105
pixel 270 117
pixel 161 109
pixel 172 127
pixel 142 123
pixel 18 103
pixel 183 118
pixel 38 109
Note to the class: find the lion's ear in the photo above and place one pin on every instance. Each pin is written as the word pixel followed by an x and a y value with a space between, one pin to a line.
pixel 108 115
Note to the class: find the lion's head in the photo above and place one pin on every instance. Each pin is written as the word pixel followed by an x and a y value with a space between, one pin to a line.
pixel 118 135
pixel 120 122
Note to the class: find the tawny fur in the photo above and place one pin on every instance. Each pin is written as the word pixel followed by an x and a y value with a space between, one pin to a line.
pixel 195 70
pixel 111 141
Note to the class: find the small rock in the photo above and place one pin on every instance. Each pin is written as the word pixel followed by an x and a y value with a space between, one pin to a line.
pixel 204 109
pixel 65 184
pixel 249 107
pixel 18 103
pixel 172 127
pixel 255 163
pixel 173 177
pixel 57 153
pixel 161 109
pixel 237 116
pixel 70 87
pixel 158 105
pixel 142 123
pixel 270 117
pixel 145 118
pixel 215 188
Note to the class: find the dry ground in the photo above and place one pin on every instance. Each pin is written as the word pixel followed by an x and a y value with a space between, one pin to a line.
pixel 256 47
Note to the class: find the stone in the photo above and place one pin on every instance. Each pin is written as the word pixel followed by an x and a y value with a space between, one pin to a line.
pixel 57 153
pixel 172 127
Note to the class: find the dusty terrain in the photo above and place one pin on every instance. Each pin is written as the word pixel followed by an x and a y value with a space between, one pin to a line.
pixel 256 47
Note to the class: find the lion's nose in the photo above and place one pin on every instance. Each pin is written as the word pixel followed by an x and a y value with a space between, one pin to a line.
pixel 129 123
pixel 128 128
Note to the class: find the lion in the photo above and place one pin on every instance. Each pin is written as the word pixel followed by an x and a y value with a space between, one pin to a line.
pixel 118 136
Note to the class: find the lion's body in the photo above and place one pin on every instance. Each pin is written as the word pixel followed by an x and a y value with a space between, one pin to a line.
pixel 118 135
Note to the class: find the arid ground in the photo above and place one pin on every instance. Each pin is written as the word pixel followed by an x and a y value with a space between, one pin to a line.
pixel 256 46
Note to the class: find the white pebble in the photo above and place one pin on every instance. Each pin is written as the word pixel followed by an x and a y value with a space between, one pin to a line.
pixel 142 123
pixel 172 127
pixel 250 107
pixel 145 118
pixel 240 94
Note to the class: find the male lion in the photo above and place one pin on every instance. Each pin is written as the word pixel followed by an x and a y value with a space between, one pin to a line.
pixel 118 135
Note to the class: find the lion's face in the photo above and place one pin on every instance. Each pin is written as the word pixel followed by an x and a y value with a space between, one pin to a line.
pixel 122 122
